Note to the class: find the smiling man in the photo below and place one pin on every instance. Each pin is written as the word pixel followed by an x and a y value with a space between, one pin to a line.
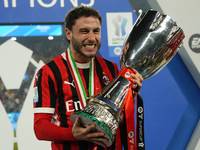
pixel 63 85
pixel 85 38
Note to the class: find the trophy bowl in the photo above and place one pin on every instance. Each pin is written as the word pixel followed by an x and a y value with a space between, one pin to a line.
pixel 152 42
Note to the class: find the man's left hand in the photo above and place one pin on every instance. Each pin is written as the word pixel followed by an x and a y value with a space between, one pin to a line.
pixel 137 79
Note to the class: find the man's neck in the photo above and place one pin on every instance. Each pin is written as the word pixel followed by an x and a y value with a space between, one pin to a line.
pixel 78 57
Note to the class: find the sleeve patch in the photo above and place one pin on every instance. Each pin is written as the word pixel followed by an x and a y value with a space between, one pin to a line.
pixel 35 97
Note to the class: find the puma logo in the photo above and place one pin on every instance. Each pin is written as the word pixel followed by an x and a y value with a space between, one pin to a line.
pixel 72 84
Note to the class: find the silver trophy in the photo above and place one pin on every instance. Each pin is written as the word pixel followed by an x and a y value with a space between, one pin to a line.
pixel 152 42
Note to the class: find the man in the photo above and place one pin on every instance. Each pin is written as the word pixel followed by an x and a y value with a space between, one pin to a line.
pixel 63 85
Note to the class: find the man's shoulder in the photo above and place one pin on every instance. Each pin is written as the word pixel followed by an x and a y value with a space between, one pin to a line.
pixel 51 63
pixel 103 59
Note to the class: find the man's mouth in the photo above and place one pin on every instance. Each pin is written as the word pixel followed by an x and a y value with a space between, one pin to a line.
pixel 90 46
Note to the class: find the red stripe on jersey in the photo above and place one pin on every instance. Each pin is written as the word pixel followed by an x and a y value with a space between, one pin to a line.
pixel 105 68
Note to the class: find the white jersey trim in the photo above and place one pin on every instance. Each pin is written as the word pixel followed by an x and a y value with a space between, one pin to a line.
pixel 83 65
pixel 44 110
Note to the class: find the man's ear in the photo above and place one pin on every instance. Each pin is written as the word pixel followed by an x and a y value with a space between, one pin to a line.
pixel 68 34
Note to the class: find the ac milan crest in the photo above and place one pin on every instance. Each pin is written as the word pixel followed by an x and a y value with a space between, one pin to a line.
pixel 105 79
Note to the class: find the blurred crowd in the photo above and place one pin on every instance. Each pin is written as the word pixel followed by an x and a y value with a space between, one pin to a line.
pixel 43 49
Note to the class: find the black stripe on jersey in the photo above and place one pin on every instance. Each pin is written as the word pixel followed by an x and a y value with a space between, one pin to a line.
pixel 100 148
pixel 113 145
pixel 86 77
pixel 52 93
pixel 73 90
pixel 61 108
pixel 66 145
pixel 83 145
pixel 38 85
pixel 99 72
pixel 111 68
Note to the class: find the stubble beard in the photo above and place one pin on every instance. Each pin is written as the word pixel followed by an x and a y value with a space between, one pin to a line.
pixel 78 45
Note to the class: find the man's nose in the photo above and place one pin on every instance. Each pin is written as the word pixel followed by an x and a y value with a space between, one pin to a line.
pixel 91 36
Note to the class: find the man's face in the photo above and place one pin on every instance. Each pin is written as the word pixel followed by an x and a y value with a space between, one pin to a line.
pixel 85 38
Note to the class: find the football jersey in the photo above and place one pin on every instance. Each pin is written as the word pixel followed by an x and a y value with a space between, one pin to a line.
pixel 56 92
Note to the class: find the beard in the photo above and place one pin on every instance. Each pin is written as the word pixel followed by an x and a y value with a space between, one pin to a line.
pixel 78 45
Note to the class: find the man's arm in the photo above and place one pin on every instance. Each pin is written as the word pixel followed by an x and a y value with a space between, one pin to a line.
pixel 45 130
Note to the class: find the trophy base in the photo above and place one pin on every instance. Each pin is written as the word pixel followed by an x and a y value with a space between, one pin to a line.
pixel 87 120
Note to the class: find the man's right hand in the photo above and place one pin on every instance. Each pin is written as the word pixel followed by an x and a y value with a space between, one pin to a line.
pixel 86 134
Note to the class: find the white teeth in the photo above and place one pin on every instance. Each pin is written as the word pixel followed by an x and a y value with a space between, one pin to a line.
pixel 89 46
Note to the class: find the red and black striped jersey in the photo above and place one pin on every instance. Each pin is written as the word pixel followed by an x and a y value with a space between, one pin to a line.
pixel 57 94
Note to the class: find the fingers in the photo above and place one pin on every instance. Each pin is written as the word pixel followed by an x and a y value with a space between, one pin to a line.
pixel 95 137
pixel 91 134
pixel 77 122
pixel 89 129
pixel 79 130
pixel 139 76
pixel 137 79
pixel 87 134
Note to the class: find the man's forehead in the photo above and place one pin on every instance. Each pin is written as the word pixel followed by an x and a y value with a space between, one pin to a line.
pixel 90 19
pixel 87 23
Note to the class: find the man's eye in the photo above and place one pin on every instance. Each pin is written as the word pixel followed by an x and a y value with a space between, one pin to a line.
pixel 96 31
pixel 84 31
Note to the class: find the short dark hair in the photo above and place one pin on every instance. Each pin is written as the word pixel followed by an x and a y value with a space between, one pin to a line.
pixel 80 11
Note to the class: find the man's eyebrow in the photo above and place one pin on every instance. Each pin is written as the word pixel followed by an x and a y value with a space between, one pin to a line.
pixel 83 29
pixel 97 28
